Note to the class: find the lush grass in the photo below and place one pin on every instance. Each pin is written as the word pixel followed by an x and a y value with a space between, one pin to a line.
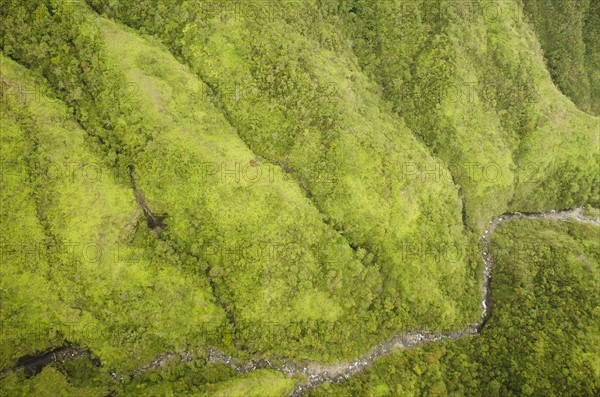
pixel 24 309
pixel 313 112
pixel 469 83
pixel 253 231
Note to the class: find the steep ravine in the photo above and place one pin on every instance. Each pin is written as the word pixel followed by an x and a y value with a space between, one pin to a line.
pixel 317 373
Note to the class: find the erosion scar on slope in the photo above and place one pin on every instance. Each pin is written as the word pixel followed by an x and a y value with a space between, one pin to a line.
pixel 155 222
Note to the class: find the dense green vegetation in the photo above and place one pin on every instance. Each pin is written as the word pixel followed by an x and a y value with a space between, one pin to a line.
pixel 82 378
pixel 214 215
pixel 325 171
pixel 570 35
pixel 468 82
pixel 101 286
pixel 541 340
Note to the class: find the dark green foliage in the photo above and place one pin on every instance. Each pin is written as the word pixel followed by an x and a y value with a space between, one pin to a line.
pixel 542 338
pixel 568 33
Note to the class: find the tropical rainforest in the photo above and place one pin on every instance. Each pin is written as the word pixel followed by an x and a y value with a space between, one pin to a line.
pixel 283 198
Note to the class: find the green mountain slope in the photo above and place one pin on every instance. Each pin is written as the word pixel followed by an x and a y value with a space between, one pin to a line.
pixel 98 284
pixel 469 83
pixel 302 181
pixel 489 110
pixel 569 35
pixel 545 289
pixel 300 261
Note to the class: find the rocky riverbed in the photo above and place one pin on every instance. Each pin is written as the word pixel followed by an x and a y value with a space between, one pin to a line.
pixel 316 373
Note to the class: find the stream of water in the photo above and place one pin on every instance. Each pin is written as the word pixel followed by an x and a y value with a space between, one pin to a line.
pixel 314 372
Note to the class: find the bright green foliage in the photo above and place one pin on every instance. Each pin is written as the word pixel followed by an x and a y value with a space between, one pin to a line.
pixel 467 79
pixel 254 231
pixel 325 169
pixel 49 383
pixel 258 384
pixel 26 312
pixel 208 381
pixel 157 127
pixel 81 378
pixel 100 273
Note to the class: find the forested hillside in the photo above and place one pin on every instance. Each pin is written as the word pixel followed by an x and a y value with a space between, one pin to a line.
pixel 569 34
pixel 546 284
pixel 291 181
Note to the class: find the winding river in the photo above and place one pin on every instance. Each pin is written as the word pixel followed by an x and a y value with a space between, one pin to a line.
pixel 314 372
